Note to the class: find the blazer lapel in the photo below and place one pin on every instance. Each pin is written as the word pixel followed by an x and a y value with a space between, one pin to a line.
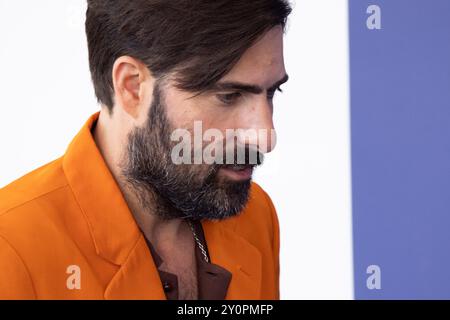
pixel 137 278
pixel 238 256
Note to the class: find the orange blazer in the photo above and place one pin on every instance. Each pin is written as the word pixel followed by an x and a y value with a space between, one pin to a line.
pixel 69 219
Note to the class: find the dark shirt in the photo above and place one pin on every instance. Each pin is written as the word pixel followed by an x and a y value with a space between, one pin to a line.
pixel 212 280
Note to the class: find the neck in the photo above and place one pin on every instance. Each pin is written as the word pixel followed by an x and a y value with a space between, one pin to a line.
pixel 110 137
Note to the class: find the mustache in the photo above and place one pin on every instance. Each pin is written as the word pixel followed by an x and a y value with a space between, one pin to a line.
pixel 247 156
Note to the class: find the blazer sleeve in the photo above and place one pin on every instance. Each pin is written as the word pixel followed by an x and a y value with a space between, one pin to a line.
pixel 15 280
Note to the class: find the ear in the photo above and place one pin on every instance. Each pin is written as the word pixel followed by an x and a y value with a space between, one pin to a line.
pixel 132 82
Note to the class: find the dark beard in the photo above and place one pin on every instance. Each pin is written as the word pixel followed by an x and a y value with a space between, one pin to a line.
pixel 171 191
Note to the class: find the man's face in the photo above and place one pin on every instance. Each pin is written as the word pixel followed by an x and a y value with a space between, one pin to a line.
pixel 242 100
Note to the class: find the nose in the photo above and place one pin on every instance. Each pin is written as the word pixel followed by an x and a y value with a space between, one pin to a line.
pixel 256 128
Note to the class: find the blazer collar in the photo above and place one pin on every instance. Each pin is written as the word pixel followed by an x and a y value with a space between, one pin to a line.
pixel 237 255
pixel 139 279
pixel 118 239
pixel 111 223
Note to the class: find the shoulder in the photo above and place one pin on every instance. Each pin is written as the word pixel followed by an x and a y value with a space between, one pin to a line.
pixel 32 186
pixel 30 206
pixel 27 219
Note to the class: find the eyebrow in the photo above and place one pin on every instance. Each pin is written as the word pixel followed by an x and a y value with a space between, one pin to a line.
pixel 239 86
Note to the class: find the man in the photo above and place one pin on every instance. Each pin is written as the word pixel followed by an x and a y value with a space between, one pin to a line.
pixel 118 217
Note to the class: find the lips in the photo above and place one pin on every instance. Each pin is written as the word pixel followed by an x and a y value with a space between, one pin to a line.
pixel 238 167
pixel 237 172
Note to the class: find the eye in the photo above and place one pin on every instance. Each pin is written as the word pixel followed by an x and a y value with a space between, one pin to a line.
pixel 229 98
pixel 271 93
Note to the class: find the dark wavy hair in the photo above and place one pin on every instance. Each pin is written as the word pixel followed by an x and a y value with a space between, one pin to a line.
pixel 199 41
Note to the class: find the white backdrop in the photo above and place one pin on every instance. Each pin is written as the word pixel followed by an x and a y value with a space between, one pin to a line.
pixel 46 95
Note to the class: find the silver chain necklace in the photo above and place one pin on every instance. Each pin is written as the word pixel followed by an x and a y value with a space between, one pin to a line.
pixel 197 240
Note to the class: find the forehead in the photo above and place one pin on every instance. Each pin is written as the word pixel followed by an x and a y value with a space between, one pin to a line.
pixel 263 62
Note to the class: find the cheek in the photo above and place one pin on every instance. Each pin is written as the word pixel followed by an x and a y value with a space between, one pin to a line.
pixel 217 117
pixel 183 113
pixel 188 116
